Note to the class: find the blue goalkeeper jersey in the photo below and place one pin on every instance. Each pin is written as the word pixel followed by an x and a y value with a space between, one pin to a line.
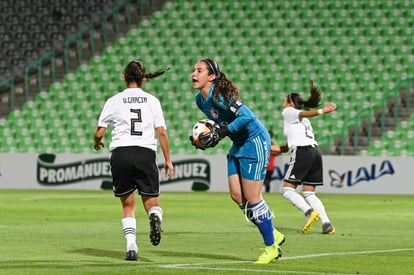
pixel 240 120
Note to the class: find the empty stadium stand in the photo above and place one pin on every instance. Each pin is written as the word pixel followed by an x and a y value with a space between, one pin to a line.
pixel 358 52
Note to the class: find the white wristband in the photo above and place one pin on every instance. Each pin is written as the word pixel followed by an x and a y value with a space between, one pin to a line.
pixel 320 111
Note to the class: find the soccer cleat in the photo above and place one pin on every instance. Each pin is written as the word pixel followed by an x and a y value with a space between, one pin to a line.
pixel 279 237
pixel 310 219
pixel 131 255
pixel 270 253
pixel 328 228
pixel 155 229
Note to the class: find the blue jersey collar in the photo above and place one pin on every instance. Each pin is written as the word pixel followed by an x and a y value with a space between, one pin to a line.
pixel 210 93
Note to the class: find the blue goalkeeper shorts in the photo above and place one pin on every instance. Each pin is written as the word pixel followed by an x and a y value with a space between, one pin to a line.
pixel 250 159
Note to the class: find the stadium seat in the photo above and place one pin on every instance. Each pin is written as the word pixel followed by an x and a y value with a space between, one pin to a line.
pixel 277 48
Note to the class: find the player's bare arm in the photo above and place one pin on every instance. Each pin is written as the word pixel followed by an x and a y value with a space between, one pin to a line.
pixel 164 144
pixel 97 138
pixel 329 107
pixel 279 149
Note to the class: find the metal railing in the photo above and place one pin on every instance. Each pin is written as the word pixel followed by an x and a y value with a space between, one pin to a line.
pixel 395 95
pixel 356 122
pixel 38 66
pixel 325 142
pixel 143 7
pixel 87 31
pixel 9 82
pixel 114 14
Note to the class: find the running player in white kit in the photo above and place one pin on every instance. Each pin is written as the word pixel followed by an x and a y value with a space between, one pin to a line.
pixel 305 167
pixel 136 116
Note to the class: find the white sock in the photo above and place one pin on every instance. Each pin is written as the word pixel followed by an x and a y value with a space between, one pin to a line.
pixel 129 227
pixel 156 210
pixel 316 204
pixel 296 199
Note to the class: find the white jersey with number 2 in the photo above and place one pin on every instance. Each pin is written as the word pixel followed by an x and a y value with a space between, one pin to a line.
pixel 134 114
pixel 298 131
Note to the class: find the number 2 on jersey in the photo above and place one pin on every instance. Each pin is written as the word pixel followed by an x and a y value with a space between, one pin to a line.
pixel 135 123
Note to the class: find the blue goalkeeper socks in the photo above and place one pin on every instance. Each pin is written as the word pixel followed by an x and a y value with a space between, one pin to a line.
pixel 260 214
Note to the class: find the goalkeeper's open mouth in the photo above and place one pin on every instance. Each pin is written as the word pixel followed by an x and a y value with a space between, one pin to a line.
pixel 196 83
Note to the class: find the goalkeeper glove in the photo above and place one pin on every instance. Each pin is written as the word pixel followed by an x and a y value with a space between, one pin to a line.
pixel 223 132
pixel 212 138
pixel 195 145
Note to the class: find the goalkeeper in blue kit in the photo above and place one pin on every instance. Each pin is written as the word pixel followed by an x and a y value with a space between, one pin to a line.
pixel 218 98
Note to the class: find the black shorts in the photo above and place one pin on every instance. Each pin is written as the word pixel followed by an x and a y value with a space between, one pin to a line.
pixel 134 168
pixel 305 166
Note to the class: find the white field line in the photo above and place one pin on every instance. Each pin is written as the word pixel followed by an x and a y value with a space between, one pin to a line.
pixel 207 266
pixel 266 271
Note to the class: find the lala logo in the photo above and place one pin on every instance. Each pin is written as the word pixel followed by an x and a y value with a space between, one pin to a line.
pixel 351 178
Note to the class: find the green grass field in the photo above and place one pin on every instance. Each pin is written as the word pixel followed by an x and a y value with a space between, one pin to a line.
pixel 79 232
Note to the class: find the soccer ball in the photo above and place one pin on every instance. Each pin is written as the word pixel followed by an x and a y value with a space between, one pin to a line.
pixel 202 131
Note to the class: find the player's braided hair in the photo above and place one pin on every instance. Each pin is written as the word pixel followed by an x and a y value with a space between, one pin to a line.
pixel 135 72
pixel 223 85
pixel 312 102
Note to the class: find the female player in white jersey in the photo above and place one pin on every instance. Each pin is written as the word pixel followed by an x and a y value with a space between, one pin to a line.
pixel 305 166
pixel 136 116
pixel 218 98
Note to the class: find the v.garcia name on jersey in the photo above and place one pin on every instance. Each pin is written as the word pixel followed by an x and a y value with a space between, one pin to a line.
pixel 135 99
